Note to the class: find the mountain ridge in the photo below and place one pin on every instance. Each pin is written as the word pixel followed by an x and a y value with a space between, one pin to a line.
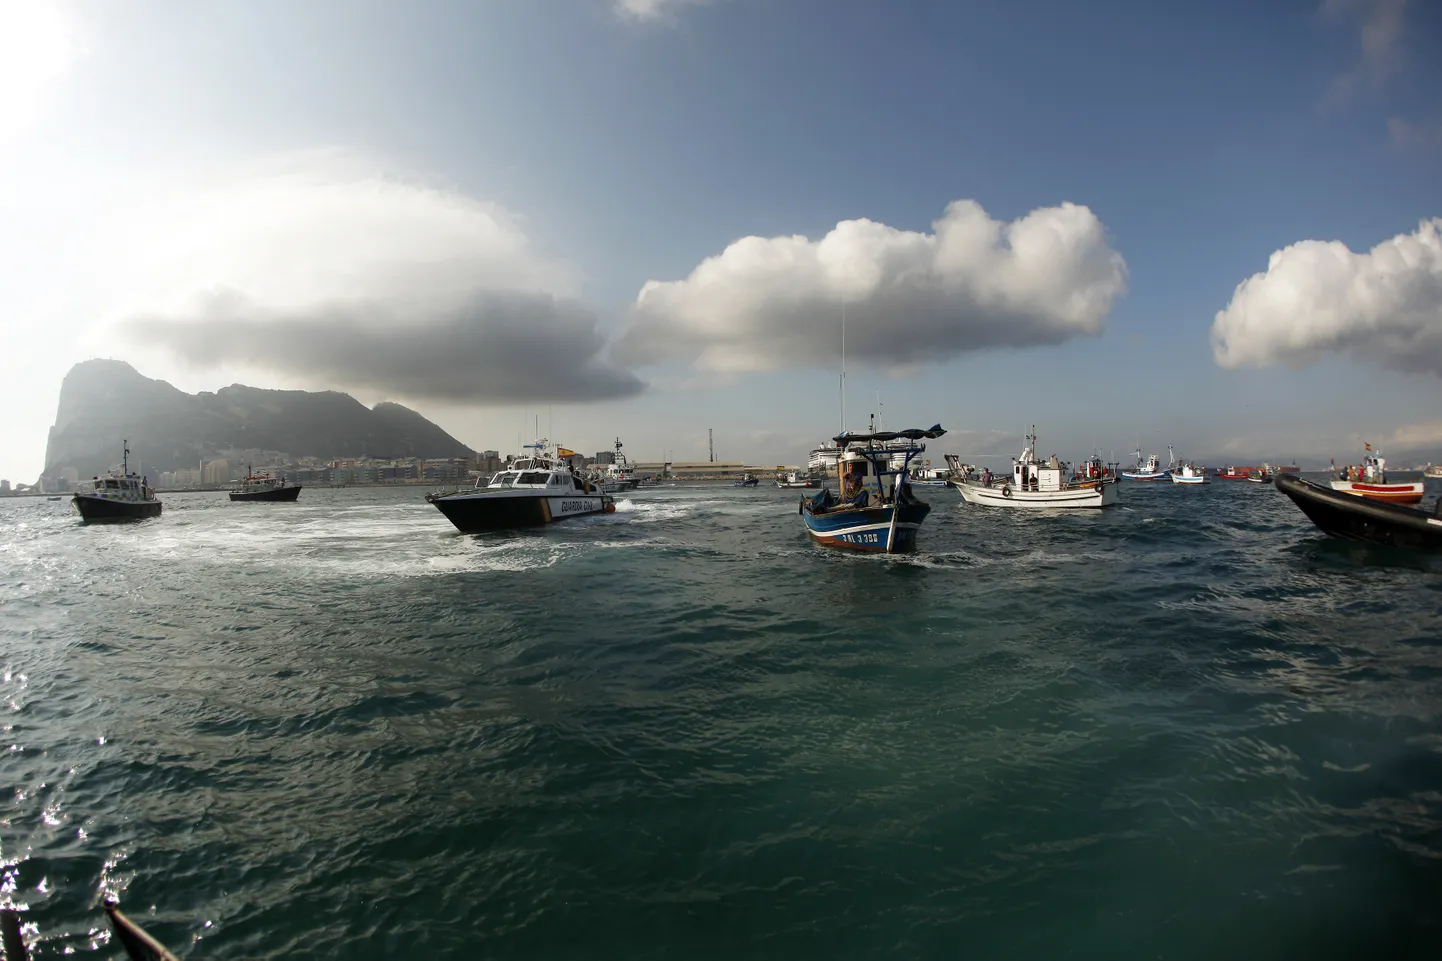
pixel 103 402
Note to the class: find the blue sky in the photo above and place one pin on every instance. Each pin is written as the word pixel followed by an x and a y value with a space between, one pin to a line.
pixel 619 148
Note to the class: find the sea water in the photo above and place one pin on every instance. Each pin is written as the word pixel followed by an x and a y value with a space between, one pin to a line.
pixel 1187 727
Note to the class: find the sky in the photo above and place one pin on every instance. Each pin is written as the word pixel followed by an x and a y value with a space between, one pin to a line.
pixel 1213 225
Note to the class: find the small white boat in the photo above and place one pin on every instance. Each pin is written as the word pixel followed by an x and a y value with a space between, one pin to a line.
pixel 796 479
pixel 1433 470
pixel 1188 473
pixel 1149 468
pixel 1369 479
pixel 1036 483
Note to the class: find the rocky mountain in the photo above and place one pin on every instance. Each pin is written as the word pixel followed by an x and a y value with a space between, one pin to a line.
pixel 103 402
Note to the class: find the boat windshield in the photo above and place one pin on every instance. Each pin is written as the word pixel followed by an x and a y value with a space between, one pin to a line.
pixel 534 477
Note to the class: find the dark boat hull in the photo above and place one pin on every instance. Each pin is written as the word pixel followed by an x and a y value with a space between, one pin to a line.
pixel 479 513
pixel 101 510
pixel 869 529
pixel 1354 518
pixel 288 493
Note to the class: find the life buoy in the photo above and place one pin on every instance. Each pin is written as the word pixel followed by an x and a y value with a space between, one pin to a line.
pixel 1006 491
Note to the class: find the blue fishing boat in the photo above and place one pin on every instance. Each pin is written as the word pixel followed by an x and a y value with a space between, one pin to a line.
pixel 747 480
pixel 883 521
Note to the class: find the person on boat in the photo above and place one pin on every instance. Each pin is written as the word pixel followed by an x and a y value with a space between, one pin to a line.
pixel 986 477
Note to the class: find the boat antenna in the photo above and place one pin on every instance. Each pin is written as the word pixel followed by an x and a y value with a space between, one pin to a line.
pixel 125 457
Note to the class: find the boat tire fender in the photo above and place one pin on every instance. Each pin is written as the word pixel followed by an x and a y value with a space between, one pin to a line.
pixel 1006 491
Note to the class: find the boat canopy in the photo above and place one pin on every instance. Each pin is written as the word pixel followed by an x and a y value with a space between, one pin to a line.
pixel 885 435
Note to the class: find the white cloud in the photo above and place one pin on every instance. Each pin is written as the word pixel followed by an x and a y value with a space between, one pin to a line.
pixel 775 303
pixel 39 41
pixel 1318 296
pixel 1383 30
pixel 319 267
pixel 649 9
pixel 1406 135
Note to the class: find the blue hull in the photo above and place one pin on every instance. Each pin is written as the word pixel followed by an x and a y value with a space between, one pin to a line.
pixel 867 528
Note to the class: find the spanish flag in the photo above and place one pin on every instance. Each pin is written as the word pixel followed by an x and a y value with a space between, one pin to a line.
pixel 561 451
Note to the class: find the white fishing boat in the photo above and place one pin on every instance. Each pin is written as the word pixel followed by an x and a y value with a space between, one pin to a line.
pixel 796 479
pixel 1188 473
pixel 1036 483
pixel 1149 468
pixel 1369 479
pixel 1432 470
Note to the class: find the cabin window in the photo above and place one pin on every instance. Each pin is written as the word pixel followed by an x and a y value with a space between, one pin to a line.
pixel 533 477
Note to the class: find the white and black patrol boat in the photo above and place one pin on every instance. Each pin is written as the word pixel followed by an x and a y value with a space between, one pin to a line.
pixel 535 488
pixel 118 496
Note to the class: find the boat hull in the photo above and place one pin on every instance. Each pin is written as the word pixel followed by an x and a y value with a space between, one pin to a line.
pixel 1179 479
pixel 867 529
pixel 101 510
pixel 1392 493
pixel 1350 517
pixel 804 485
pixel 1003 495
pixel 288 493
pixel 509 510
pixel 1160 475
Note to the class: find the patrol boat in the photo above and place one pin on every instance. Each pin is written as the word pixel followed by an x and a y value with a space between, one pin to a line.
pixel 118 496
pixel 536 488
pixel 264 487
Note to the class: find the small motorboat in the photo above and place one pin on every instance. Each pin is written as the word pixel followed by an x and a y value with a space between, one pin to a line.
pixel 748 480
pixel 1235 473
pixel 1354 518
pixel 1259 477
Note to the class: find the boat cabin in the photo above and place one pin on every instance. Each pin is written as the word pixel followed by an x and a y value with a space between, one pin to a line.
pixel 120 487
pixel 536 471
pixel 1049 475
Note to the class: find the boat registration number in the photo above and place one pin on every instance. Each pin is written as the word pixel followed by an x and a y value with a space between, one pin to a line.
pixel 574 507
pixel 873 537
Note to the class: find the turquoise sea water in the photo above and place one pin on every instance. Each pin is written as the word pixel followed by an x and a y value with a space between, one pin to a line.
pixel 1190 727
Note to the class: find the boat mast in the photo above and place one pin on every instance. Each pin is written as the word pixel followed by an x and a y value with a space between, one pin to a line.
pixel 125 457
pixel 843 362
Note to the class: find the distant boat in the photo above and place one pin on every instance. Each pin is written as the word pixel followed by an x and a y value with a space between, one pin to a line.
pixel 1148 468
pixel 536 488
pixel 1433 470
pixel 1369 479
pixel 1235 473
pixel 1037 483
pixel 617 476
pixel 1259 477
pixel 118 496
pixel 54 498
pixel 264 487
pixel 748 480
pixel 1347 516
pixel 796 479
pixel 1290 469
pixel 1189 473
pixel 882 522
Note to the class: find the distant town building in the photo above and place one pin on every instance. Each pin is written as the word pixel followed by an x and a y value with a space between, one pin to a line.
pixel 606 457
pixel 217 472
pixel 4 487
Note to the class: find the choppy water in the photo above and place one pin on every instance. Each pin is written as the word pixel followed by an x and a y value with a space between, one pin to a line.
pixel 1190 727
